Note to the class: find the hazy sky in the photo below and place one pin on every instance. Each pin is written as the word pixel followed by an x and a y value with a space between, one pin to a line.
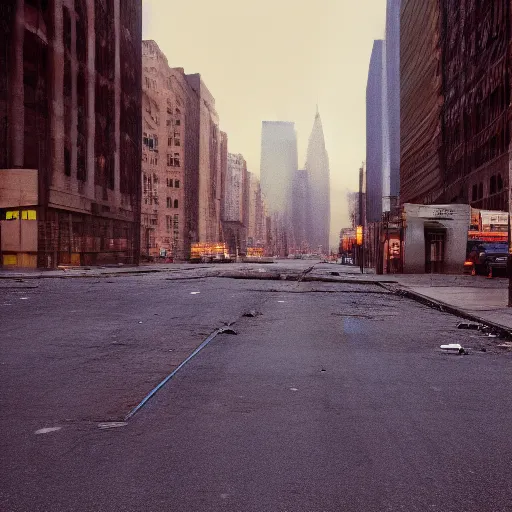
pixel 275 60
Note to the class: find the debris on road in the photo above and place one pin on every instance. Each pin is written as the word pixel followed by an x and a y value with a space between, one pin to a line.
pixel 252 313
pixel 506 345
pixel 112 424
pixel 47 430
pixel 335 274
pixel 454 347
pixel 464 325
pixel 227 330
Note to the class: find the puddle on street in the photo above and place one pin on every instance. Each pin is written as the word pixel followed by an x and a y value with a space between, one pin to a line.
pixel 352 325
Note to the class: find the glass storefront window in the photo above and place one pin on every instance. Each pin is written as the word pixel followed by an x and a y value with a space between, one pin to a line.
pixel 28 215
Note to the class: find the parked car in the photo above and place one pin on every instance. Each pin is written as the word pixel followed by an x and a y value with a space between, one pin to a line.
pixel 489 255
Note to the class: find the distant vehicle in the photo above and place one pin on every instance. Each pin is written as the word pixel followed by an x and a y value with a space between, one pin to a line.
pixel 487 255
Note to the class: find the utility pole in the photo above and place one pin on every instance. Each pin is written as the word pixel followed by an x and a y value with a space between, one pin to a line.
pixel 361 217
pixel 509 260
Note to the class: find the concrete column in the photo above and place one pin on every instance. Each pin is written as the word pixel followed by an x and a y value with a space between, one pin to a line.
pixel 56 91
pixel 117 89
pixel 91 83
pixel 16 108
pixel 74 105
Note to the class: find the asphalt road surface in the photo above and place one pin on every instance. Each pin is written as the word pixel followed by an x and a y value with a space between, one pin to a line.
pixel 334 398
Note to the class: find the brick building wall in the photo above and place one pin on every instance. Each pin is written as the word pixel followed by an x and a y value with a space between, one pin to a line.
pixel 163 155
pixel 70 109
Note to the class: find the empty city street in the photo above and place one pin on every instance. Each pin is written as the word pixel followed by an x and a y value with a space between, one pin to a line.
pixel 329 397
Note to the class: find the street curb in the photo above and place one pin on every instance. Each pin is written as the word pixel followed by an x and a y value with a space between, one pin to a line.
pixel 501 330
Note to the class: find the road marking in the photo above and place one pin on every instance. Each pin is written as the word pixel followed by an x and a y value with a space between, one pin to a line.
pixel 194 293
pixel 47 430
pixel 23 298
pixel 280 301
pixel 294 389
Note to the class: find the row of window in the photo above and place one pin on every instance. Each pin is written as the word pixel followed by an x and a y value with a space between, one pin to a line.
pixel 176 140
pixel 495 185
pixel 150 141
pixel 173 183
pixel 172 203
pixel 172 222
pixel 17 214
pixel 173 160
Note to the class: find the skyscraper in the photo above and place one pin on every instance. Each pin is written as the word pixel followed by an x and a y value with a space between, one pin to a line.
pixel 302 215
pixel 279 161
pixel 391 107
pixel 317 165
pixel 374 140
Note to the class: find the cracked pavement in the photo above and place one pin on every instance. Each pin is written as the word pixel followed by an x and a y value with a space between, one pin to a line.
pixel 335 397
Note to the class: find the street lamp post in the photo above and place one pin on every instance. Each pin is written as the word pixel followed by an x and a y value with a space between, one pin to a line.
pixel 361 218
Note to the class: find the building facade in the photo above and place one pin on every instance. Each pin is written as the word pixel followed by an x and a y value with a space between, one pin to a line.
pixel 475 37
pixel 236 204
pixel 391 108
pixel 203 165
pixel 257 221
pixel 374 133
pixel 164 100
pixel 455 97
pixel 279 161
pixel 317 166
pixel 421 173
pixel 303 217
pixel 70 130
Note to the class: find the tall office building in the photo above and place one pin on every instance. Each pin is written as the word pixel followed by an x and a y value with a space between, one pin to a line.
pixel 235 219
pixel 421 99
pixel 391 108
pixel 374 132
pixel 302 213
pixel 279 162
pixel 317 165
pixel 70 131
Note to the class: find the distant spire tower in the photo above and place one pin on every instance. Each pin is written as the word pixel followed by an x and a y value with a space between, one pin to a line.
pixel 317 165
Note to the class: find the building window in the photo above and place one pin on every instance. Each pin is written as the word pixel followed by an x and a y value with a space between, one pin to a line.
pixel 169 141
pixel 169 182
pixel 177 183
pixel 474 193
pixel 28 215
pixel 493 185
pixel 169 202
pixel 177 142
pixel 176 159
pixel 175 203
pixel 170 161
pixel 178 122
pixel 11 215
pixel 67 161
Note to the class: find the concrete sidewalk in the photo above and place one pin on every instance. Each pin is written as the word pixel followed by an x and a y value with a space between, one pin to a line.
pixel 473 297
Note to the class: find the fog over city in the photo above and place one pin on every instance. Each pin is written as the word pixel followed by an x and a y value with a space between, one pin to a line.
pixel 275 61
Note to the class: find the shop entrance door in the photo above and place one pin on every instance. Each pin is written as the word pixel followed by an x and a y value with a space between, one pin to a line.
pixel 434 252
